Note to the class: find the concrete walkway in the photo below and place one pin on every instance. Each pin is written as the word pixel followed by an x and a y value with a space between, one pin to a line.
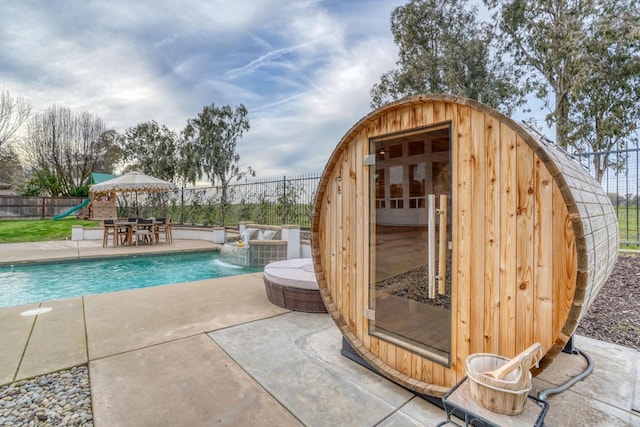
pixel 216 352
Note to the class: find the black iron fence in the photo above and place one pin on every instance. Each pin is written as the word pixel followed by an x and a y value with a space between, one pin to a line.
pixel 289 199
pixel 272 201
pixel 621 182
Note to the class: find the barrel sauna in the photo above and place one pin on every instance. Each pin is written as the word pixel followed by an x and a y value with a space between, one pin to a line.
pixel 443 228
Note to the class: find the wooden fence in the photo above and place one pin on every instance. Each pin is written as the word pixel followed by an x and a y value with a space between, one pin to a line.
pixel 36 207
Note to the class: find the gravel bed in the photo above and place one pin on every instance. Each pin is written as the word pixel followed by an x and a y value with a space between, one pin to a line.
pixel 59 399
pixel 614 316
pixel 413 285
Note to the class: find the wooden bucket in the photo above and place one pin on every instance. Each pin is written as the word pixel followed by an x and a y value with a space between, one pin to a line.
pixel 506 396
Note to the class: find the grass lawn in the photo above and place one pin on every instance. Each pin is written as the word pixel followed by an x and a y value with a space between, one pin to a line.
pixel 39 230
pixel 628 218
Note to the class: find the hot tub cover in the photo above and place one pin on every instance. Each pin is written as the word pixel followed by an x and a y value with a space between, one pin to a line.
pixel 295 273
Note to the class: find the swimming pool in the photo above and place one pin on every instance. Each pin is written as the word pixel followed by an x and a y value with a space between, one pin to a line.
pixel 43 282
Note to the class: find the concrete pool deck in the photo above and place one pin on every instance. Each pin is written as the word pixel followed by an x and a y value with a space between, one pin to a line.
pixel 218 352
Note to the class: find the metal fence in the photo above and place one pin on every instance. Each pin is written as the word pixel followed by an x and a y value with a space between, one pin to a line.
pixel 289 199
pixel 621 182
pixel 272 201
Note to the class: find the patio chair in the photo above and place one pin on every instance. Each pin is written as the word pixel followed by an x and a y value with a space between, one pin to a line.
pixel 163 226
pixel 123 232
pixel 109 229
pixel 144 230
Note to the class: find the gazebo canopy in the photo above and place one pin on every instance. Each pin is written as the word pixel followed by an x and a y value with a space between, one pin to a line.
pixel 132 182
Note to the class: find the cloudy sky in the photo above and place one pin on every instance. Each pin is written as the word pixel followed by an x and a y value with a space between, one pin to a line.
pixel 302 68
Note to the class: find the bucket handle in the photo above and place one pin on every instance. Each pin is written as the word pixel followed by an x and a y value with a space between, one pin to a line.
pixel 524 360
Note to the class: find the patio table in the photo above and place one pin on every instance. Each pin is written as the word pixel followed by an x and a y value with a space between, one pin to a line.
pixel 128 226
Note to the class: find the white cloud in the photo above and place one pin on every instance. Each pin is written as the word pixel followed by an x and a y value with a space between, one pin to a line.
pixel 304 69
pixel 307 127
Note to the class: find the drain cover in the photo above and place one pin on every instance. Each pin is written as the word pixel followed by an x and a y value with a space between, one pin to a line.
pixel 36 311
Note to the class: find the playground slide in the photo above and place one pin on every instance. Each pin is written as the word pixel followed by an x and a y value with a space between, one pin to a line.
pixel 72 210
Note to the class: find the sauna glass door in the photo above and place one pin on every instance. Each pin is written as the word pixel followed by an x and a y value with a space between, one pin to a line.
pixel 410 287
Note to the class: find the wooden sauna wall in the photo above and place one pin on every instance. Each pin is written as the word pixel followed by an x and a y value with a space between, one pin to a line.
pixel 514 255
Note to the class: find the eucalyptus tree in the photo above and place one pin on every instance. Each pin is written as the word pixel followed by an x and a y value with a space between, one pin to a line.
pixel 150 148
pixel 443 47
pixel 605 105
pixel 209 148
pixel 62 149
pixel 14 112
pixel 569 45
pixel 109 152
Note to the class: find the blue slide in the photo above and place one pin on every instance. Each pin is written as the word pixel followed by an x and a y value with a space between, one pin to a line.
pixel 72 210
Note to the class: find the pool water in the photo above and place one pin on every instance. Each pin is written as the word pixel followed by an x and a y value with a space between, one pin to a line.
pixel 43 282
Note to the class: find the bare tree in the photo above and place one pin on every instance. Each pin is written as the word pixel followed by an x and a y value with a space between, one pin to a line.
pixel 63 148
pixel 13 113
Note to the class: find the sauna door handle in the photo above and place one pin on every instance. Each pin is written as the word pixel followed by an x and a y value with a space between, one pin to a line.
pixel 442 246
pixel 431 244
pixel 441 277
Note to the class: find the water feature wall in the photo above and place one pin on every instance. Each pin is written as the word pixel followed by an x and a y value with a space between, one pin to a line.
pixel 262 252
pixel 234 254
pixel 257 245
pixel 250 231
pixel 247 234
pixel 260 244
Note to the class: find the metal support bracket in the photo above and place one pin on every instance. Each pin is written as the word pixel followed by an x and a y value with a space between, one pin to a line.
pixel 369 314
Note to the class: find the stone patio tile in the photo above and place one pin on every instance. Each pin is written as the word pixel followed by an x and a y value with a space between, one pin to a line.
pixel 570 408
pixel 419 413
pixel 128 320
pixel 14 335
pixel 188 382
pixel 296 357
pixel 38 251
pixel 58 340
pixel 615 388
